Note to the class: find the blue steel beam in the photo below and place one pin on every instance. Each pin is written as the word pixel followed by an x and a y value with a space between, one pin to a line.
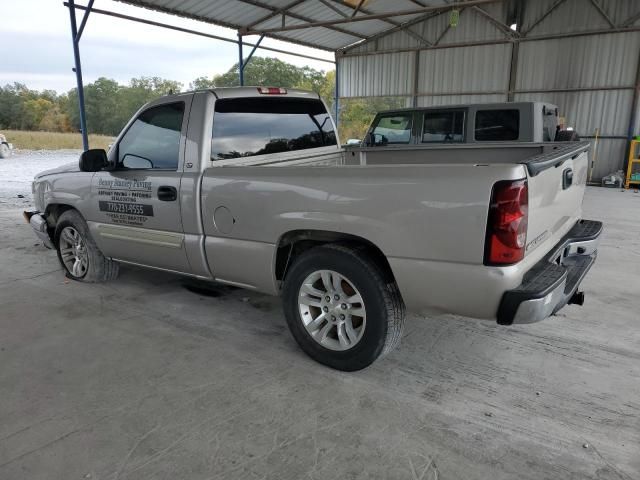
pixel 144 21
pixel 336 101
pixel 252 51
pixel 240 61
pixel 85 17
pixel 78 70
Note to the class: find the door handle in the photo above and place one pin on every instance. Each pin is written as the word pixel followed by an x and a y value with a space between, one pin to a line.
pixel 567 178
pixel 167 193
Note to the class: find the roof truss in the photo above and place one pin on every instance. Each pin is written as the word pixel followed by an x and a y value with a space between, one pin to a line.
pixel 340 25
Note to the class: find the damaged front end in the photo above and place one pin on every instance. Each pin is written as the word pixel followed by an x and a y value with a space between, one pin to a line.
pixel 40 227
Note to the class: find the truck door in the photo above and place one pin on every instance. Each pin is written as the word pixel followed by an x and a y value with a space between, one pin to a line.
pixel 137 204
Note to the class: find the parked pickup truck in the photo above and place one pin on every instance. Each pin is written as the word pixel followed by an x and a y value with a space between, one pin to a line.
pixel 471 123
pixel 249 187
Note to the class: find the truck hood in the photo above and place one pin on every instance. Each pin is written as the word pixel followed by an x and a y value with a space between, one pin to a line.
pixel 66 168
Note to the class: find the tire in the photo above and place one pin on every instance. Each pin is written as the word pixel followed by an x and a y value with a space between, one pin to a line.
pixel 4 150
pixel 567 136
pixel 375 322
pixel 80 257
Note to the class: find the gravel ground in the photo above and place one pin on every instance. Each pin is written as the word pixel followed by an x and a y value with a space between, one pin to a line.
pixel 17 172
pixel 150 377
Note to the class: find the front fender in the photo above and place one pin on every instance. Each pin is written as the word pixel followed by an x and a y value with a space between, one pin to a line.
pixel 71 189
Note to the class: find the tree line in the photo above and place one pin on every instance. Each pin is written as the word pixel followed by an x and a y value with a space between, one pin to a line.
pixel 109 105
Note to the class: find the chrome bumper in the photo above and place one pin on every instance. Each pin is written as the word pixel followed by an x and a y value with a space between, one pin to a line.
pixel 535 310
pixel 554 281
pixel 39 225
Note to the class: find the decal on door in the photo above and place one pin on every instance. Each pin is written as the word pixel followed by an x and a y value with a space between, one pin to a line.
pixel 122 200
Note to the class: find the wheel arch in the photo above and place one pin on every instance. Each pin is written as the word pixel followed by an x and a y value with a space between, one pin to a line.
pixel 52 213
pixel 295 242
pixel 8 152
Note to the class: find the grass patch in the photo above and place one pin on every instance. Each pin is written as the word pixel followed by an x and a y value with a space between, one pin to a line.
pixel 25 140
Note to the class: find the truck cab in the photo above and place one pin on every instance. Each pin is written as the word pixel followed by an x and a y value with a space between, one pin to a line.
pixel 472 123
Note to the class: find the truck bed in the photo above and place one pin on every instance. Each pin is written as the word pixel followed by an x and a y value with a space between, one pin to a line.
pixel 425 207
pixel 535 156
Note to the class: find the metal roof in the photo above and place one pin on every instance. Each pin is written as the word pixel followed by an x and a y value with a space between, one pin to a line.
pixel 324 24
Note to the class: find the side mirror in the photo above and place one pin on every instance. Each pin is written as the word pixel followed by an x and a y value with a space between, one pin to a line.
pixel 93 160
pixel 375 139
pixel 370 140
pixel 134 162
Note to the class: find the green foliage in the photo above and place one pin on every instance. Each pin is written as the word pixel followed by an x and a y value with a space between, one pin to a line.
pixel 356 114
pixel 264 71
pixel 110 105
pixel 34 110
pixel 202 83
pixel 13 113
pixel 271 72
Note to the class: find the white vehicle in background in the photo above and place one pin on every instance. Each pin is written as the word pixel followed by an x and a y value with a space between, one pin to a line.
pixel 514 122
pixel 5 147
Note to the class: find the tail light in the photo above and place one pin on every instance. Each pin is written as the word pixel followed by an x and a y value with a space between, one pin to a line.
pixel 272 90
pixel 507 223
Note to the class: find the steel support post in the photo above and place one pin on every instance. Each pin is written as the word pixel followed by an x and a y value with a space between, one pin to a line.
pixel 416 79
pixel 253 50
pixel 78 70
pixel 336 98
pixel 515 53
pixel 635 106
pixel 240 61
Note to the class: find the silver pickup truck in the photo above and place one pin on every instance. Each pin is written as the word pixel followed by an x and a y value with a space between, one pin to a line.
pixel 249 187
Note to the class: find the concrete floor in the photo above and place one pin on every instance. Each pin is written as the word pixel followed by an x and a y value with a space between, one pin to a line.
pixel 143 378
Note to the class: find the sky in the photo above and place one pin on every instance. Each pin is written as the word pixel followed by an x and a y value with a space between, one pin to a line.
pixel 37 49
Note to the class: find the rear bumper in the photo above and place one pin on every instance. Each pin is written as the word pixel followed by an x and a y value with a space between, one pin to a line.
pixel 39 225
pixel 552 282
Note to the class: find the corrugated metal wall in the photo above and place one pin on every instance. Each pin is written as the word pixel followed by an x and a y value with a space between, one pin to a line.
pixel 377 76
pixel 601 68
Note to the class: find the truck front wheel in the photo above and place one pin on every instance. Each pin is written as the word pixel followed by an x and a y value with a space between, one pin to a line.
pixel 4 150
pixel 340 308
pixel 79 255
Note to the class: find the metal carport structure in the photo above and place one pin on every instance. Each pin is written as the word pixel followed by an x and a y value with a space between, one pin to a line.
pixel 583 55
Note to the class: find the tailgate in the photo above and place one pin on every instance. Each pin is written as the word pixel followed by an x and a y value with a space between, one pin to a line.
pixel 557 181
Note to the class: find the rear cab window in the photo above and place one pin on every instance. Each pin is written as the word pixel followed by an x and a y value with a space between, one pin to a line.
pixel 443 126
pixel 393 129
pixel 246 127
pixel 497 125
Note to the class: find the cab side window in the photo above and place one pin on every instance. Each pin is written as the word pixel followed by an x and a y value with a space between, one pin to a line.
pixel 497 125
pixel 393 129
pixel 153 140
pixel 445 126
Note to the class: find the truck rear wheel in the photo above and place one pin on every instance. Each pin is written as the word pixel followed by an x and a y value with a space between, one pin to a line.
pixel 340 308
pixel 4 150
pixel 79 255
